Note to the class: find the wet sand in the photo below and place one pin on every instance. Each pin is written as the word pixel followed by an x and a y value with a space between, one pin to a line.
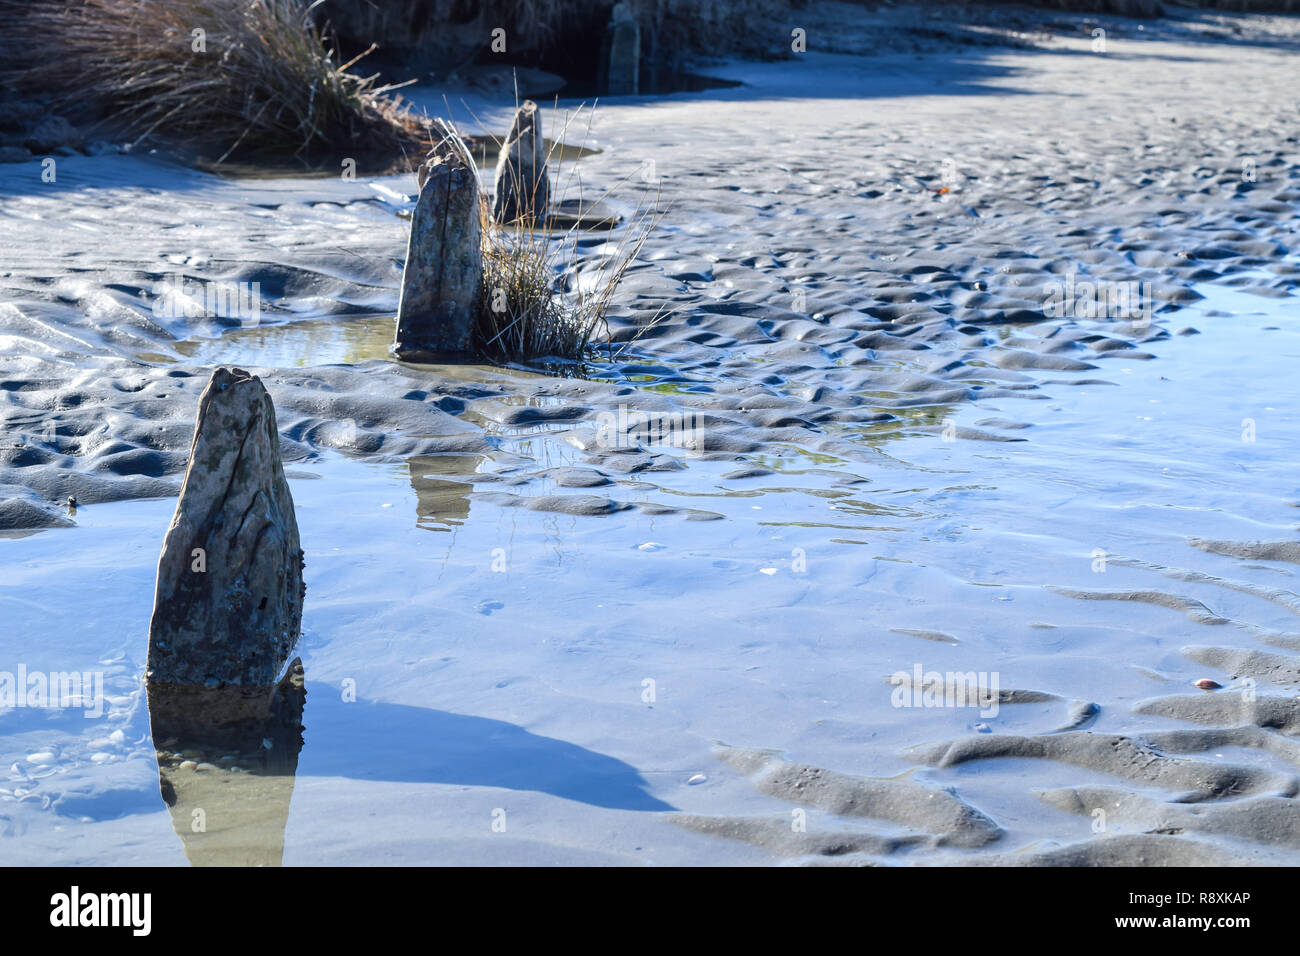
pixel 905 462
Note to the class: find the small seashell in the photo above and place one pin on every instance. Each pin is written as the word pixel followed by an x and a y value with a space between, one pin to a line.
pixel 699 778
pixel 1206 684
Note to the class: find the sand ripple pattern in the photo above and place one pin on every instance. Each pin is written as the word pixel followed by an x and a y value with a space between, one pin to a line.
pixel 827 288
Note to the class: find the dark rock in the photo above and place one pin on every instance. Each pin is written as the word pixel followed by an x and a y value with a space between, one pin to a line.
pixel 51 133
pixel 17 117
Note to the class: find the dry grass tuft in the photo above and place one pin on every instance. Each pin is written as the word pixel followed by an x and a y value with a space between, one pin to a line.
pixel 259 81
pixel 534 304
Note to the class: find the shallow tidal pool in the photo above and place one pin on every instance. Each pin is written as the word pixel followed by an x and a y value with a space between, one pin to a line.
pixel 491 683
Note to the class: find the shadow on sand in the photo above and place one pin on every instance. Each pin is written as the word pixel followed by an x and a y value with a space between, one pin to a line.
pixel 228 758
pixel 393 742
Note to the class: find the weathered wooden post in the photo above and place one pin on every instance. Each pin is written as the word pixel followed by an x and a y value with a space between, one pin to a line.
pixel 444 257
pixel 227 614
pixel 522 189
pixel 621 53
pixel 228 600
pixel 449 141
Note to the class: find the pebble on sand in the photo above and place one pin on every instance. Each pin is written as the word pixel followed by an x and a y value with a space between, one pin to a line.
pixel 1206 684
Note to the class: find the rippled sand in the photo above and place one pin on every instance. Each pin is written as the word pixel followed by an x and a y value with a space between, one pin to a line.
pixel 904 463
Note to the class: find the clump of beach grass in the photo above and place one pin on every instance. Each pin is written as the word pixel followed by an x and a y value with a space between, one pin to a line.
pixel 534 303
pixel 253 77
